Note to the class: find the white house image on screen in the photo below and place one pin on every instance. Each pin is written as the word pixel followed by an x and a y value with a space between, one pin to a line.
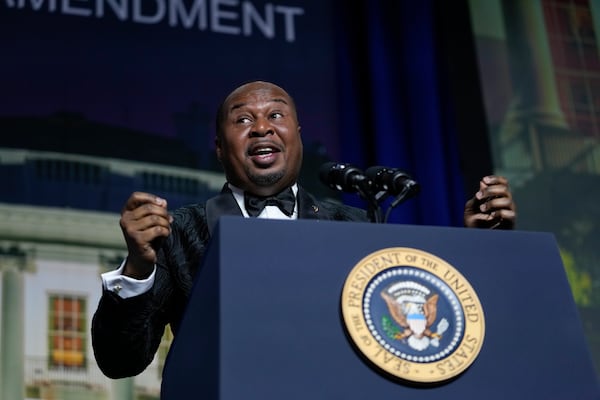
pixel 51 259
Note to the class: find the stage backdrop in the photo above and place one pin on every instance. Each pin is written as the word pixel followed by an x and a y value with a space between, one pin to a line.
pixel 99 98
pixel 141 80
pixel 539 64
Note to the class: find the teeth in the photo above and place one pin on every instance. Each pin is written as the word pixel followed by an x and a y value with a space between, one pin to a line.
pixel 264 150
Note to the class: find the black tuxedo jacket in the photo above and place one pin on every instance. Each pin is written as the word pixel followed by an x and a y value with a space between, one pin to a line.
pixel 126 332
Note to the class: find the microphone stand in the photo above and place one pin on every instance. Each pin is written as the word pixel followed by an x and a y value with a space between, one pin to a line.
pixel 364 190
pixel 374 211
pixel 375 199
pixel 347 178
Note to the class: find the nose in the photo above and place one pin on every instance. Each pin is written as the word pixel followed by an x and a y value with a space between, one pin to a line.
pixel 261 127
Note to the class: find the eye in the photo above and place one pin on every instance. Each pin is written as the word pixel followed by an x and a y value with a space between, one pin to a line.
pixel 242 120
pixel 276 115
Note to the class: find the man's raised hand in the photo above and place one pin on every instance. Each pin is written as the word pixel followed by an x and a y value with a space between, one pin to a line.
pixel 492 206
pixel 145 223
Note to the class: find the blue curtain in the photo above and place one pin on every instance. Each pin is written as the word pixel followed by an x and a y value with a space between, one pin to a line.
pixel 395 109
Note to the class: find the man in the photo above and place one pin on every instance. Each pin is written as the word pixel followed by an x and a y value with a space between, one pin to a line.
pixel 259 145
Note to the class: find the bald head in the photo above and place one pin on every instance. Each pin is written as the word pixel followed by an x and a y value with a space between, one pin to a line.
pixel 254 86
pixel 258 138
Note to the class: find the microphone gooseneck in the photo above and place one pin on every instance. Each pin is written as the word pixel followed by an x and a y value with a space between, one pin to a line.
pixel 374 185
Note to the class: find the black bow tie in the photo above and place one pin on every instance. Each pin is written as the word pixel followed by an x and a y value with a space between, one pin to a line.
pixel 286 201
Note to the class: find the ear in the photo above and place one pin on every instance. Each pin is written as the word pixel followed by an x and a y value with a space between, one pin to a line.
pixel 218 148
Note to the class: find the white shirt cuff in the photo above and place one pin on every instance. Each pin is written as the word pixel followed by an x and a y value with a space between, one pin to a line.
pixel 125 286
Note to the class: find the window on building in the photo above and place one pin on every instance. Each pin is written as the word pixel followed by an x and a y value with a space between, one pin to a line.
pixel 574 48
pixel 67 331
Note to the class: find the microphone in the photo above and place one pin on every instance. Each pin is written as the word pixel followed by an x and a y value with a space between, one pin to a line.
pixel 344 177
pixel 393 181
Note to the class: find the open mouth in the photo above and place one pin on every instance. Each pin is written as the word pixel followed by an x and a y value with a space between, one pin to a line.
pixel 263 154
pixel 261 151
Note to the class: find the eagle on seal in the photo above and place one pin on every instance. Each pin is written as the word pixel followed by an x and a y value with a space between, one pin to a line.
pixel 401 313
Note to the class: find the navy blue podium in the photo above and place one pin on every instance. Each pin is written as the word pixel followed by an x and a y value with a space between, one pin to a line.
pixel 263 321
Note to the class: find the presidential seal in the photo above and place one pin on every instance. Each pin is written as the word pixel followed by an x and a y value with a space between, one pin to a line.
pixel 412 315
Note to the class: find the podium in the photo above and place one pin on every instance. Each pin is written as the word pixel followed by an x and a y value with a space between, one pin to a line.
pixel 264 320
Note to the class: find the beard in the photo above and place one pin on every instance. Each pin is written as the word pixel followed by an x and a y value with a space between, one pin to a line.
pixel 268 179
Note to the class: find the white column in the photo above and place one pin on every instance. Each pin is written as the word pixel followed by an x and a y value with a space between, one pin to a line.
pixel 12 327
pixel 123 389
pixel 531 63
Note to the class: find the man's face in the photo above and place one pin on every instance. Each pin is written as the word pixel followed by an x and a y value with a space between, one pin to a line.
pixel 260 146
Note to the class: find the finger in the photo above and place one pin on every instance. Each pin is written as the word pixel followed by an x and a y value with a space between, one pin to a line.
pixel 490 221
pixel 149 221
pixel 140 237
pixel 504 214
pixel 493 192
pixel 496 204
pixel 478 220
pixel 146 236
pixel 481 217
pixel 138 199
pixel 494 180
pixel 492 185
pixel 503 219
pixel 146 223
pixel 145 210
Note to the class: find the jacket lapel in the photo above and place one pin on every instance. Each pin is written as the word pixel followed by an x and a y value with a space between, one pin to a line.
pixel 221 204
pixel 308 207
